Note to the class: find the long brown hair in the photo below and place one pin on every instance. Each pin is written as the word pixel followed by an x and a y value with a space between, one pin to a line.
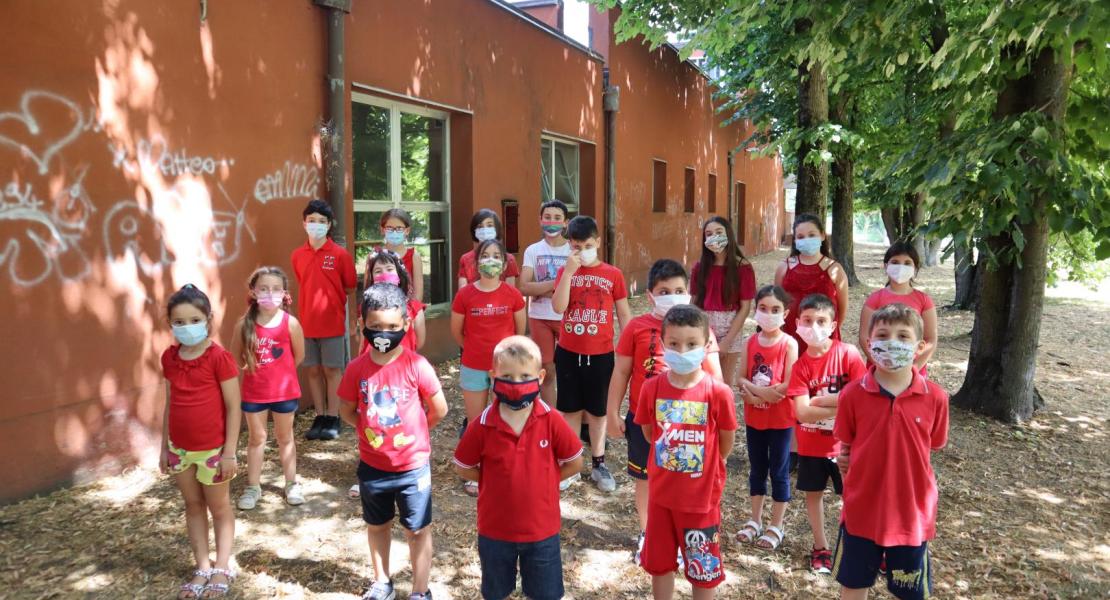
pixel 733 257
pixel 247 333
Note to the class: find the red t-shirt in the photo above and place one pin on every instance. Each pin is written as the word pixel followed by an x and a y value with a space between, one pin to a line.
pixel 766 367
pixel 817 376
pixel 488 318
pixel 197 410
pixel 642 341
pixel 275 376
pixel 518 475
pixel 916 299
pixel 407 261
pixel 715 287
pixel 890 492
pixel 391 404
pixel 409 341
pixel 588 319
pixel 324 275
pixel 685 471
pixel 468 267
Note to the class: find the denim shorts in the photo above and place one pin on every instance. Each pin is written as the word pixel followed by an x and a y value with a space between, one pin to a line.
pixel 473 380
pixel 285 406
pixel 385 494
pixel 541 568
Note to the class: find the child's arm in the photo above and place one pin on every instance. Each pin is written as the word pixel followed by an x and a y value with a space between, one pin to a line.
pixel 236 348
pixel 457 320
pixel 418 324
pixel 713 368
pixel 864 329
pixel 417 276
pixel 808 413
pixel 296 340
pixel 437 408
pixel 647 431
pixel 470 473
pixel 569 469
pixel 618 385
pixel 349 414
pixel 736 327
pixel 561 298
pixel 163 456
pixel 624 313
pixel 529 287
pixel 521 320
pixel 233 415
pixel 841 281
pixel 462 282
pixel 844 459
pixel 725 440
pixel 930 337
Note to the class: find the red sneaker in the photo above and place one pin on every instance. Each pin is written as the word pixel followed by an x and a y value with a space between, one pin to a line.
pixel 820 560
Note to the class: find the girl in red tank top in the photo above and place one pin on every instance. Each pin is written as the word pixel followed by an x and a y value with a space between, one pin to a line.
pixel 810 269
pixel 386 267
pixel 269 343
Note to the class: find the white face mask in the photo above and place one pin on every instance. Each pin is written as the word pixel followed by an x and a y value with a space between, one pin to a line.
pixel 769 321
pixel 485 233
pixel 316 231
pixel 664 303
pixel 814 336
pixel 588 256
pixel 900 273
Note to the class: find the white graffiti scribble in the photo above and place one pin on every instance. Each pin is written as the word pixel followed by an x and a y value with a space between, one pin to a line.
pixel 44 147
pixel 35 243
pixel 156 153
pixel 289 182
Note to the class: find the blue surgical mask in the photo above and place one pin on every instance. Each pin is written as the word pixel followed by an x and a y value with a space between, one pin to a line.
pixel 316 231
pixel 684 363
pixel 191 334
pixel 395 238
pixel 808 246
pixel 485 233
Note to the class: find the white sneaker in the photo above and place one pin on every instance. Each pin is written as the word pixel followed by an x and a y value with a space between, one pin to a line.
pixel 638 555
pixel 603 479
pixel 293 494
pixel 250 496
pixel 565 484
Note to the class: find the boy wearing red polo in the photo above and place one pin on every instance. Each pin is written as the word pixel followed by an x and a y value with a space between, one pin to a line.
pixel 888 423
pixel 820 373
pixel 690 420
pixel 518 450
pixel 325 273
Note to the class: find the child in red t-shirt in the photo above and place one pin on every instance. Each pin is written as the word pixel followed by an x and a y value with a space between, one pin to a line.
pixel 821 372
pixel 392 397
pixel 520 450
pixel 485 225
pixel 387 267
pixel 888 424
pixel 901 263
pixel 588 293
pixel 690 420
pixel 768 361
pixel 200 435
pixel 270 343
pixel 325 273
pixel 639 357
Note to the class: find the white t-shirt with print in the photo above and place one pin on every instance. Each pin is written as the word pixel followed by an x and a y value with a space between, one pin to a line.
pixel 545 260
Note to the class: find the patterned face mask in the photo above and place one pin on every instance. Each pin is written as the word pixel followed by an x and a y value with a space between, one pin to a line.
pixel 716 243
pixel 491 267
pixel 892 355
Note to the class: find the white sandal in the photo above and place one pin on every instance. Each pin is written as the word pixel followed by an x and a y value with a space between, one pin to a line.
pixel 749 532
pixel 196 589
pixel 220 589
pixel 772 542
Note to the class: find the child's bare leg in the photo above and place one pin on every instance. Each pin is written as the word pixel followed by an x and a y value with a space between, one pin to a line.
pixel 314 380
pixel 778 514
pixel 287 447
pixel 816 510
pixel 597 433
pixel 218 499
pixel 547 388
pixel 574 420
pixel 474 403
pixel 196 520
pixel 333 377
pixel 662 586
pixel 757 508
pixel 420 555
pixel 642 502
pixel 379 540
pixel 728 367
pixel 853 593
pixel 704 593
pixel 256 445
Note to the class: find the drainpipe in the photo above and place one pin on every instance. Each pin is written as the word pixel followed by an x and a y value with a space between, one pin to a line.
pixel 611 104
pixel 335 154
pixel 731 186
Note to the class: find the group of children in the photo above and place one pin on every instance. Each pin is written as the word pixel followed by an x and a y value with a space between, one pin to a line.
pixel 810 402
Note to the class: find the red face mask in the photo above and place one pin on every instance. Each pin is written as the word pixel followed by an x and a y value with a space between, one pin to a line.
pixel 517 395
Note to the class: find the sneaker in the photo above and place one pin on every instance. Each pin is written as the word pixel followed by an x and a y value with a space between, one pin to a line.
pixel 565 484
pixel 380 591
pixel 681 562
pixel 250 496
pixel 421 595
pixel 603 478
pixel 882 566
pixel 471 488
pixel 820 561
pixel 313 432
pixel 330 429
pixel 637 556
pixel 293 494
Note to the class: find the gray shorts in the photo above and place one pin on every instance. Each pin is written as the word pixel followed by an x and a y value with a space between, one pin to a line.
pixel 330 352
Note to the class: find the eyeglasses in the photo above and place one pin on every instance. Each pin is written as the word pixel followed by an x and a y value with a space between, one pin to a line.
pixel 394 229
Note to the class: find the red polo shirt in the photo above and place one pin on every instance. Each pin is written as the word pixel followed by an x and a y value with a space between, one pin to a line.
pixel 518 492
pixel 890 491
pixel 324 275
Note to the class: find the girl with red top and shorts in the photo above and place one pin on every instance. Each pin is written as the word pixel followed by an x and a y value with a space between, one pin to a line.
pixel 269 342
pixel 901 263
pixel 396 226
pixel 811 269
pixel 200 436
pixel 723 282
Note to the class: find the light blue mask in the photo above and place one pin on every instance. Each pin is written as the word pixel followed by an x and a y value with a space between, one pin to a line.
pixel 191 334
pixel 485 233
pixel 684 363
pixel 395 238
pixel 808 246
pixel 317 231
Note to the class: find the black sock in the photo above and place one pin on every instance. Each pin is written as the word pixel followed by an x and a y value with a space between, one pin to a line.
pixel 599 461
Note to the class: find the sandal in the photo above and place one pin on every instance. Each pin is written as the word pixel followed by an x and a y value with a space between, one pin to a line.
pixel 471 488
pixel 749 532
pixel 196 589
pixel 218 589
pixel 354 492
pixel 767 541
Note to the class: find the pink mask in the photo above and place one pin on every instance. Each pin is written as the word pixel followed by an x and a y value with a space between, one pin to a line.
pixel 272 300
pixel 388 277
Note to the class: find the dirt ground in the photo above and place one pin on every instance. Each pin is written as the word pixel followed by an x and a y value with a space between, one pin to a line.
pixel 1024 511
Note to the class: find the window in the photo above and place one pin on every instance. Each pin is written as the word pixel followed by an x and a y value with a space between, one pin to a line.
pixel 400 160
pixel 691 188
pixel 559 177
pixel 658 186
pixel 712 202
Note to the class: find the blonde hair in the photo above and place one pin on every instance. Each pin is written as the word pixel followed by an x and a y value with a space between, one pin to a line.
pixel 898 314
pixel 517 347
pixel 247 333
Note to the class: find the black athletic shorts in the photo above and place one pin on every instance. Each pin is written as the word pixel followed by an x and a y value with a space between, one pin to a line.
pixel 582 381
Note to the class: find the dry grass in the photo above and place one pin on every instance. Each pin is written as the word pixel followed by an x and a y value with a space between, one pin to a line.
pixel 1024 511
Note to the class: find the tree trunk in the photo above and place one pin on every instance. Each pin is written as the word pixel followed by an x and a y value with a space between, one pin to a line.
pixel 1002 363
pixel 932 253
pixel 843 196
pixel 966 280
pixel 813 111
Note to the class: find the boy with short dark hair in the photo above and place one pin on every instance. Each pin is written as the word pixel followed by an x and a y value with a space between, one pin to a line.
pixel 690 420
pixel 589 293
pixel 819 375
pixel 518 451
pixel 888 424
pixel 325 273
pixel 392 397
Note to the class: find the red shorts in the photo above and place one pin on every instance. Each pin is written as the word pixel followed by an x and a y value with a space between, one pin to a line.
pixel 697 535
pixel 545 333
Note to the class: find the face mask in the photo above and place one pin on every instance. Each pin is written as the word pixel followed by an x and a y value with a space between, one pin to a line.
pixel 517 395
pixel 395 238
pixel 892 355
pixel 271 301
pixel 769 321
pixel 716 243
pixel 191 334
pixel 900 273
pixel 684 363
pixel 808 246
pixel 317 231
pixel 664 303
pixel 383 341
pixel 389 277
pixel 485 233
pixel 552 228
pixel 588 256
pixel 814 336
pixel 491 267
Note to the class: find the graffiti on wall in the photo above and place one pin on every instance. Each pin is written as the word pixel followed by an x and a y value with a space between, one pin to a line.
pixel 40 239
pixel 289 182
pixel 30 135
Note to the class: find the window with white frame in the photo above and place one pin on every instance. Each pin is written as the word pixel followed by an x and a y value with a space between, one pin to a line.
pixel 559 171
pixel 400 158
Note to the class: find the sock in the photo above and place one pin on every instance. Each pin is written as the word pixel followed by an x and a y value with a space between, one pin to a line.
pixel 599 461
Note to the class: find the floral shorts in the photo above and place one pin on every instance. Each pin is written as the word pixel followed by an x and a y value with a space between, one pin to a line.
pixel 206 461
pixel 719 323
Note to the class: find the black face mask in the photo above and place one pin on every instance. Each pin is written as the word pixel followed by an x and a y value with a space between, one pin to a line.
pixel 383 341
pixel 517 395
